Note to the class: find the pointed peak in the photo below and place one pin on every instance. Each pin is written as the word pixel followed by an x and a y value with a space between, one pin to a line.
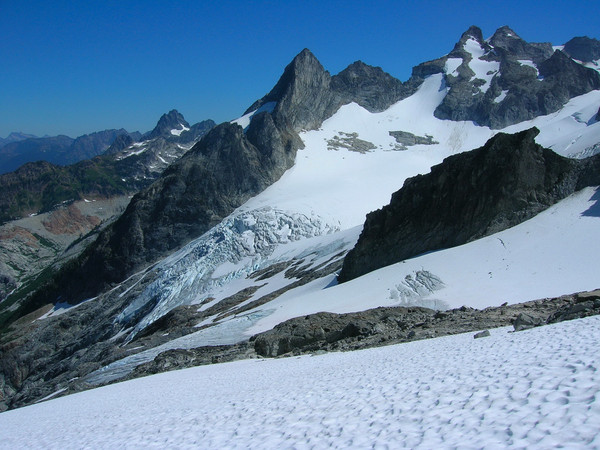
pixel 303 60
pixel 505 32
pixel 474 32
pixel 173 114
pixel 173 120
pixel 305 69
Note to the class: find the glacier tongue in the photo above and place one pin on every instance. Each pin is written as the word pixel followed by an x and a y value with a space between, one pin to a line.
pixel 236 247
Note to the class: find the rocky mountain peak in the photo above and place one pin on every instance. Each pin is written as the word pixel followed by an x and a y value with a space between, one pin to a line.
pixel 583 49
pixel 360 70
pixel 510 44
pixel 473 33
pixel 369 86
pixel 504 34
pixel 560 66
pixel 173 120
pixel 298 93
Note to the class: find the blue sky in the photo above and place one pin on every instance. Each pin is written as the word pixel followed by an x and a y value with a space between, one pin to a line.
pixel 74 67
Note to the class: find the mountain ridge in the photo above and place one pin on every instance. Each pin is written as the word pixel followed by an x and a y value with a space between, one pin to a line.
pixel 310 119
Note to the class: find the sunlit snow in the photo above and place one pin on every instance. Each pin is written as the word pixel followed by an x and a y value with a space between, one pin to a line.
pixel 532 389
pixel 323 200
pixel 484 70
pixel 177 131
pixel 244 121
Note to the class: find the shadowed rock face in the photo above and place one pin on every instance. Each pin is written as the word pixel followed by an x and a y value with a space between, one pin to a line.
pixel 583 49
pixel 507 181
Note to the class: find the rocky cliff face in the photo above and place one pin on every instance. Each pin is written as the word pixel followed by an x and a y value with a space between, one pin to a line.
pixel 506 80
pixel 583 49
pixel 468 196
pixel 307 94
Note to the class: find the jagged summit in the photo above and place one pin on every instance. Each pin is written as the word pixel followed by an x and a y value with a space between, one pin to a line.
pixel 473 33
pixel 508 42
pixel 301 67
pixel 300 93
pixel 173 120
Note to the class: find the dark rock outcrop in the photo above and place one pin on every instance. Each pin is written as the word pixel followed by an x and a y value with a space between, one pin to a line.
pixel 525 321
pixel 320 332
pixel 507 181
pixel 507 42
pixel 584 304
pixel 482 334
pixel 370 87
pixel 583 49
pixel 310 333
pixel 200 356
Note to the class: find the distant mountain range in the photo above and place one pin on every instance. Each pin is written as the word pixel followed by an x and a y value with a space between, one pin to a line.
pixel 19 148
pixel 59 150
pixel 125 165
pixel 15 136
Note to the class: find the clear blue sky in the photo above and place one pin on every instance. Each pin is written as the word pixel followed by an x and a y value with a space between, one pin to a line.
pixel 74 67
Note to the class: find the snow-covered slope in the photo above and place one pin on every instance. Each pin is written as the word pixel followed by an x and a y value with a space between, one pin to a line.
pixel 315 212
pixel 337 187
pixel 533 389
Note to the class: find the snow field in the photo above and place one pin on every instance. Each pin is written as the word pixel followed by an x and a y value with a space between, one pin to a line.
pixel 533 389
pixel 552 254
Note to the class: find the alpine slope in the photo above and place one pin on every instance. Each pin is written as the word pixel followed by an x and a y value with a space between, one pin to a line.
pixel 274 241
pixel 277 256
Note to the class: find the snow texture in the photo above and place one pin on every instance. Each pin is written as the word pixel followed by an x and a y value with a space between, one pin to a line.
pixel 532 389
